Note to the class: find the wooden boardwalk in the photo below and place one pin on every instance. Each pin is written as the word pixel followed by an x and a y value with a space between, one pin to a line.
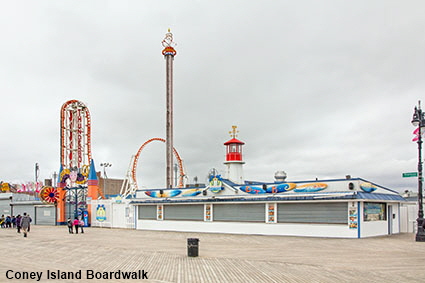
pixel 222 257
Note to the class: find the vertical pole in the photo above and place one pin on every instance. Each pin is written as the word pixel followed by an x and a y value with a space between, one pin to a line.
pixel 420 236
pixel 419 118
pixel 169 120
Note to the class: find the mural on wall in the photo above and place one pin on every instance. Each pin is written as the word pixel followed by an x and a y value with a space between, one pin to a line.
pixel 164 194
pixel 215 184
pixel 274 189
pixel 312 187
pixel 100 213
pixel 173 193
pixel 191 192
pixel 73 176
pixel 368 187
pixel 49 195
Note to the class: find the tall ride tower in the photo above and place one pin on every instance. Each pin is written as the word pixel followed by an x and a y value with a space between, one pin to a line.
pixel 169 52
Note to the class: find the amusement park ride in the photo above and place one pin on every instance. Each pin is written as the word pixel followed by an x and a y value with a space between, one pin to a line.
pixel 77 179
pixel 77 182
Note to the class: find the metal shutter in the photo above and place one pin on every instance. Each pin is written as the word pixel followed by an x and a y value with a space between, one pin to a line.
pixel 5 207
pixel 147 212
pixel 239 212
pixel 184 212
pixel 45 215
pixel 20 209
pixel 336 212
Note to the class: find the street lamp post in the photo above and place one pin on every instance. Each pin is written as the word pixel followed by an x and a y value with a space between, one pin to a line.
pixel 419 121
pixel 104 165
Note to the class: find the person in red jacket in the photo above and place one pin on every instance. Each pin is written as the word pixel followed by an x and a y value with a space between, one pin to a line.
pixel 76 224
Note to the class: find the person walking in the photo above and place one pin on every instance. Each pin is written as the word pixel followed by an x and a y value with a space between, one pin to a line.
pixel 76 224
pixel 29 225
pixel 69 223
pixel 25 223
pixel 81 222
pixel 8 222
pixel 18 223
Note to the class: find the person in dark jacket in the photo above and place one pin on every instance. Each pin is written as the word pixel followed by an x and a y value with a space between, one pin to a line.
pixel 25 223
pixel 69 224
pixel 18 223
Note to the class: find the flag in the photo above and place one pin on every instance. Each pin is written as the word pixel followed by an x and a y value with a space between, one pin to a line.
pixel 416 133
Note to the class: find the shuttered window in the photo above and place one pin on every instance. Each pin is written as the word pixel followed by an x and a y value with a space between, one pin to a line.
pixel 336 213
pixel 184 212
pixel 239 212
pixel 45 215
pixel 147 212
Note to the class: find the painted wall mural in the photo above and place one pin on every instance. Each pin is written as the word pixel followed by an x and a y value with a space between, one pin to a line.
pixel 173 193
pixel 312 187
pixel 215 184
pixel 274 189
pixel 100 213
pixel 368 187
pixel 163 193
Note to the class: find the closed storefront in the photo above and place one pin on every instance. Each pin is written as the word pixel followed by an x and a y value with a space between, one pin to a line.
pixel 147 212
pixel 184 212
pixel 5 207
pixel 240 212
pixel 21 208
pixel 45 215
pixel 334 213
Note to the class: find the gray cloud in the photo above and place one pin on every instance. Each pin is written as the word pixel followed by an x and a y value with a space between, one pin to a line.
pixel 318 89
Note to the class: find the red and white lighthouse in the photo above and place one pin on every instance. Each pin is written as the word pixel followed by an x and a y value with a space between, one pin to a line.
pixel 234 161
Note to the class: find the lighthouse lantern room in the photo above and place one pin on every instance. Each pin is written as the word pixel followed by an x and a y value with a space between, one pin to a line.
pixel 234 161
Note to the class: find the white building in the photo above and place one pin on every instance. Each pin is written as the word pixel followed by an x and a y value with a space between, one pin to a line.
pixel 346 208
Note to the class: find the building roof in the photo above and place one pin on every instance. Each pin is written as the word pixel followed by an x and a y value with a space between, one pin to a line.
pixel 234 141
pixel 282 198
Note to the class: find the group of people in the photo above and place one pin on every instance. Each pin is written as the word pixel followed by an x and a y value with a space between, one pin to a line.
pixel 76 223
pixel 19 222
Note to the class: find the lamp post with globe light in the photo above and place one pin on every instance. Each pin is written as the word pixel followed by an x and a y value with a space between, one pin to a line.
pixel 418 120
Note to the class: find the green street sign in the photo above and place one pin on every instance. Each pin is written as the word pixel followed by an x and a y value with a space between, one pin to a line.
pixel 410 174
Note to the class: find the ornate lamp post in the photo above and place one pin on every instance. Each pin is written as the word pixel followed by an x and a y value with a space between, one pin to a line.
pixel 104 165
pixel 419 121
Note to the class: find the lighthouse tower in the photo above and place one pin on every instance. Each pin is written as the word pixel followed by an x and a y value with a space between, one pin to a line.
pixel 234 161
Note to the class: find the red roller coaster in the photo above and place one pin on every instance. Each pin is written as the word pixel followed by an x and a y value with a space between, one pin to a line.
pixel 136 158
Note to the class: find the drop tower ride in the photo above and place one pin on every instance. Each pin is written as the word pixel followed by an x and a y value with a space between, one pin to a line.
pixel 169 52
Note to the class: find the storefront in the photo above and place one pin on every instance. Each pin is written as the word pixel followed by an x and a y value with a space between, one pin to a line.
pixel 344 208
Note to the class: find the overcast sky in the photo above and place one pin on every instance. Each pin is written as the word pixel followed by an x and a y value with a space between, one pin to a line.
pixel 317 88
